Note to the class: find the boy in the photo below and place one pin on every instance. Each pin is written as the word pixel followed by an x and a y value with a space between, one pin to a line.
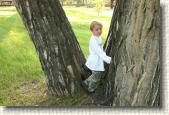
pixel 96 58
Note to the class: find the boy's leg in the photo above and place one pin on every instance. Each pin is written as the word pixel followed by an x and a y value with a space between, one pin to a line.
pixel 92 80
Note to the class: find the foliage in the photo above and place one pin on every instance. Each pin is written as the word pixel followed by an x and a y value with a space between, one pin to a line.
pixel 99 5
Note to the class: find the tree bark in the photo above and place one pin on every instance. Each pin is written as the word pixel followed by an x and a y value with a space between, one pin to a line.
pixel 58 49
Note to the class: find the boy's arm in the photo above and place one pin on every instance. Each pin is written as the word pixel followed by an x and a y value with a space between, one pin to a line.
pixel 99 51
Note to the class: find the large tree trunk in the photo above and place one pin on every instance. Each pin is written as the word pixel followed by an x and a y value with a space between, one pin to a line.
pixel 58 49
pixel 134 46
pixel 132 79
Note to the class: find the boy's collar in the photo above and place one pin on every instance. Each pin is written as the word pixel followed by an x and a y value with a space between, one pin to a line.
pixel 96 36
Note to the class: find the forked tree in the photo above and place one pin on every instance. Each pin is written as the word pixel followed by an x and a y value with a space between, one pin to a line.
pixel 133 76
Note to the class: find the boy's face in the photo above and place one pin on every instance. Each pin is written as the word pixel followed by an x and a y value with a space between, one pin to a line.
pixel 97 30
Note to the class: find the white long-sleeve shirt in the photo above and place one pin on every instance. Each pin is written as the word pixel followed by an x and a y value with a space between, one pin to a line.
pixel 97 56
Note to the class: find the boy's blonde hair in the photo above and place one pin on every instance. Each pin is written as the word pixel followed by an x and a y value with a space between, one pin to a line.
pixel 93 23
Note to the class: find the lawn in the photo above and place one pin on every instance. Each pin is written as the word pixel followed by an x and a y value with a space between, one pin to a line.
pixel 22 80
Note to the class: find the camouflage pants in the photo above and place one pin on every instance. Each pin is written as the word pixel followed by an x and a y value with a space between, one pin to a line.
pixel 93 80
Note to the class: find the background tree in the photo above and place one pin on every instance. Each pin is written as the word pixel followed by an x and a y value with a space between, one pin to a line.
pixel 99 5
pixel 62 2
pixel 112 3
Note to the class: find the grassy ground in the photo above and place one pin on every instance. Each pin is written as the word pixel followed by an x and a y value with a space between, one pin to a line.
pixel 21 78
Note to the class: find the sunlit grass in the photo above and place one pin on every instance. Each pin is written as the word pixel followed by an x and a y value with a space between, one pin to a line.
pixel 18 58
pixel 22 81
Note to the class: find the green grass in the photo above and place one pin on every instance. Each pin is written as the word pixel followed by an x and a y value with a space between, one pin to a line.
pixel 18 60
pixel 22 81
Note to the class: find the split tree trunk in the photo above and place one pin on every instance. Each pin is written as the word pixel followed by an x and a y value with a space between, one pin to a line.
pixel 132 79
pixel 59 51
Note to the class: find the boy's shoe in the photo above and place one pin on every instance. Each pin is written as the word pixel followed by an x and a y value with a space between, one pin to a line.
pixel 92 87
pixel 91 90
pixel 84 85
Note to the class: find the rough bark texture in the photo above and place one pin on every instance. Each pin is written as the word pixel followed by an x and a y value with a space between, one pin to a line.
pixel 58 49
pixel 134 46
